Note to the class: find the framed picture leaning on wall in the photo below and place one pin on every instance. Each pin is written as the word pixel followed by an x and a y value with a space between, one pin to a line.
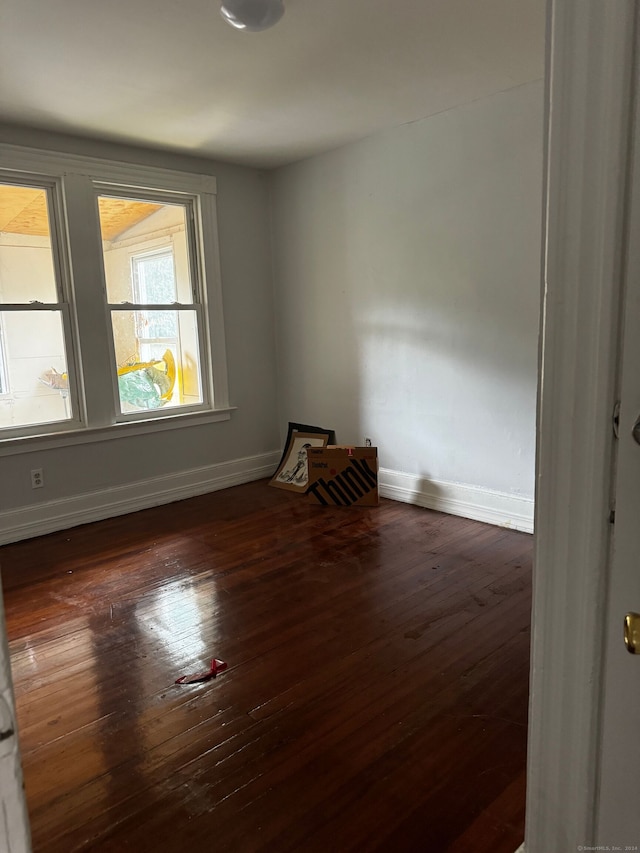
pixel 295 427
pixel 293 472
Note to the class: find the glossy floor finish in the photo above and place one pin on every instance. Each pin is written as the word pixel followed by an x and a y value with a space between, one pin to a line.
pixel 375 698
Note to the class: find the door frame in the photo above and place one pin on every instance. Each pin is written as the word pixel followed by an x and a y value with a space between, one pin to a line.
pixel 589 75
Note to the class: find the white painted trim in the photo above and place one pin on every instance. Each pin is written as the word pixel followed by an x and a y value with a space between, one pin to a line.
pixel 26 522
pixel 39 161
pixel 589 62
pixel 520 849
pixel 209 242
pixel 90 435
pixel 474 502
pixel 15 836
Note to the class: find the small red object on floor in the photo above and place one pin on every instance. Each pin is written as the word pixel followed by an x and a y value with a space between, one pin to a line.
pixel 216 667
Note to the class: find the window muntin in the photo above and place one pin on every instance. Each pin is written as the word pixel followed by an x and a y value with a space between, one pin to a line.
pixel 153 298
pixel 34 318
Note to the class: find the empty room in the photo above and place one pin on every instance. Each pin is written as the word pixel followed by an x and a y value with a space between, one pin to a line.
pixel 217 231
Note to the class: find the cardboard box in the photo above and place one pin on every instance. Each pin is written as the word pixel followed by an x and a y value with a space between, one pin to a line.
pixel 343 476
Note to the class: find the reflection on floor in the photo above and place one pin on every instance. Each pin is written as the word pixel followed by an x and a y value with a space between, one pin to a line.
pixel 375 698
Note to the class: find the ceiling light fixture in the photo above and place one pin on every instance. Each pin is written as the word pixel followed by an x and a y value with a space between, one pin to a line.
pixel 252 15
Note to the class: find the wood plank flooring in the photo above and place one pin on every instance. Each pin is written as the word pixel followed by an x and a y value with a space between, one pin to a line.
pixel 375 700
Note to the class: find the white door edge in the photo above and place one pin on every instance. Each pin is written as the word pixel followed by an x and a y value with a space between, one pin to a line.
pixel 15 836
pixel 589 63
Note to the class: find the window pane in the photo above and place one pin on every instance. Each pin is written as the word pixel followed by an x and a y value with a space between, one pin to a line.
pixel 146 251
pixel 35 369
pixel 157 359
pixel 26 260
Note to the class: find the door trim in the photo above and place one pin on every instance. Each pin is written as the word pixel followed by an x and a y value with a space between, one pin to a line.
pixel 588 96
pixel 15 834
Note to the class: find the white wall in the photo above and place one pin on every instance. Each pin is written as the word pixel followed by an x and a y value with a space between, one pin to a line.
pixel 407 286
pixel 247 293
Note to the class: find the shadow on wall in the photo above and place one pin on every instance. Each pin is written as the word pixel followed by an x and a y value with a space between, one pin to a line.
pixel 407 276
pixel 420 491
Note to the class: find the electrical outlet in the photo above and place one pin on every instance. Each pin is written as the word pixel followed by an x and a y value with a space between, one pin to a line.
pixel 367 442
pixel 37 478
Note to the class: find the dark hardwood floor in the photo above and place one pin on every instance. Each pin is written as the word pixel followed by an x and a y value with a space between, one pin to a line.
pixel 375 699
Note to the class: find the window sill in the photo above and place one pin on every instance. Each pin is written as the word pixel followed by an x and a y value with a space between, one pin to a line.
pixel 89 435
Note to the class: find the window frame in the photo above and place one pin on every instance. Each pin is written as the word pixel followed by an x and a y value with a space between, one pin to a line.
pixel 77 249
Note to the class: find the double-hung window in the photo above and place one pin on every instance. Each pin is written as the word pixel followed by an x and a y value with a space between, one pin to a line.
pixel 155 303
pixel 110 298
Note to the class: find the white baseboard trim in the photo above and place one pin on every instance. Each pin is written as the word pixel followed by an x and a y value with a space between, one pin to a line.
pixel 467 501
pixel 36 520
pixel 474 502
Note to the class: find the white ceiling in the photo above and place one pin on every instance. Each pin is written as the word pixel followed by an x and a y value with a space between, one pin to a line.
pixel 173 74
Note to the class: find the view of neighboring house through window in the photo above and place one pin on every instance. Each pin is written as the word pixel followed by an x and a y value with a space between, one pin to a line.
pixel 34 318
pixel 156 315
